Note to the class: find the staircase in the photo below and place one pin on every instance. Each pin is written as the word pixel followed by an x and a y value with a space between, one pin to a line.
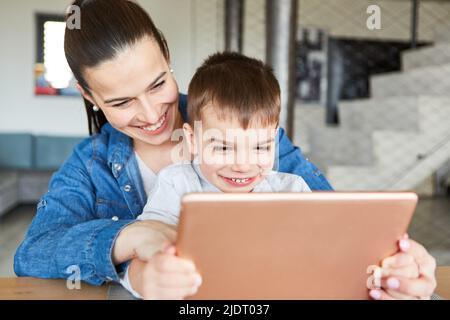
pixel 394 140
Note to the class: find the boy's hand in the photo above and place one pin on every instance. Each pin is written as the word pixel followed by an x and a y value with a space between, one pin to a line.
pixel 165 276
pixel 409 274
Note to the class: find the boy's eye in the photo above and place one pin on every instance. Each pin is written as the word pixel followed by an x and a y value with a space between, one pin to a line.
pixel 221 148
pixel 263 148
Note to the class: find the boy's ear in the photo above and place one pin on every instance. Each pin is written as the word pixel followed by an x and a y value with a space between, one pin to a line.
pixel 277 131
pixel 84 93
pixel 190 139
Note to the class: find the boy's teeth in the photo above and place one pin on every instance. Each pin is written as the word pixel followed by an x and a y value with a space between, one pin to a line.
pixel 240 180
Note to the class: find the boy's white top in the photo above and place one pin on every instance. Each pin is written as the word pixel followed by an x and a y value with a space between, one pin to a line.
pixel 167 189
pixel 176 180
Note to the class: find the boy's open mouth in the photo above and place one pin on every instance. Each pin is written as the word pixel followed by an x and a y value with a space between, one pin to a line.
pixel 239 182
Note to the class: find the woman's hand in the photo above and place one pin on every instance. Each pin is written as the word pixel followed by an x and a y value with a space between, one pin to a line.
pixel 164 276
pixel 142 239
pixel 408 274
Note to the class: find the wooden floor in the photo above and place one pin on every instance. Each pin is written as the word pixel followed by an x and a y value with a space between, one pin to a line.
pixel 430 226
pixel 13 226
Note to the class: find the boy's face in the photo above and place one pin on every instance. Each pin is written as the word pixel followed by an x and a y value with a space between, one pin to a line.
pixel 231 158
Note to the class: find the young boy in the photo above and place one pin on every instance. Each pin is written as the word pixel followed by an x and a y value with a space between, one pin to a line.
pixel 233 108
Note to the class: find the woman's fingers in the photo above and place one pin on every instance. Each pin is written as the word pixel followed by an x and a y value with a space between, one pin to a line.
pixel 398 260
pixel 379 294
pixel 409 271
pixel 426 262
pixel 401 264
pixel 421 287
pixel 398 295
pixel 154 244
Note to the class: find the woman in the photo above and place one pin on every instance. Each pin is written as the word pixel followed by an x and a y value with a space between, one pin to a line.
pixel 122 64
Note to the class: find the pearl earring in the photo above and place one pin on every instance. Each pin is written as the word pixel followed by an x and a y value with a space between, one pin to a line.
pixel 95 108
pixel 171 70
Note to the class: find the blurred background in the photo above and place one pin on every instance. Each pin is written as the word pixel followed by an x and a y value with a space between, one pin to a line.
pixel 366 93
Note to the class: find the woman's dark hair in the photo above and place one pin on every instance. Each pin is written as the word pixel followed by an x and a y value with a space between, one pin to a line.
pixel 107 27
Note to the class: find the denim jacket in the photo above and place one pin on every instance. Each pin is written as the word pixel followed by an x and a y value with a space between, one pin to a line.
pixel 95 194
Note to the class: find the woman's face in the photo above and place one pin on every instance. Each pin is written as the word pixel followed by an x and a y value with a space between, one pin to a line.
pixel 137 92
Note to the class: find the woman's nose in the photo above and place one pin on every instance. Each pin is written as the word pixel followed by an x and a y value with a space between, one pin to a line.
pixel 150 111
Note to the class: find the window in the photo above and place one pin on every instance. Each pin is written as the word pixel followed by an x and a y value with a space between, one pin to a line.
pixel 52 73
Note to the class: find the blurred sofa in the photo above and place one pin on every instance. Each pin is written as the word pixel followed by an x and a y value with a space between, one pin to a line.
pixel 26 164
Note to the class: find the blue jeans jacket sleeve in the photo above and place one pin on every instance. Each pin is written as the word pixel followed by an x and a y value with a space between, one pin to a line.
pixel 291 160
pixel 65 233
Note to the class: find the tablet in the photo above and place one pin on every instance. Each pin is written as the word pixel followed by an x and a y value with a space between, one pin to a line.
pixel 290 245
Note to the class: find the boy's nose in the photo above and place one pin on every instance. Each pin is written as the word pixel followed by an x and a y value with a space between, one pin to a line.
pixel 240 167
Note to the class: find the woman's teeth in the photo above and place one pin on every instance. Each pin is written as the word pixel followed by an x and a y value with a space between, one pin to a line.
pixel 156 126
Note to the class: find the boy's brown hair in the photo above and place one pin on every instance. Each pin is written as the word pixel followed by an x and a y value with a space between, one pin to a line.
pixel 236 86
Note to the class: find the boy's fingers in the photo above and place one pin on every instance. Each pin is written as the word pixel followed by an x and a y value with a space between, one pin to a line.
pixel 169 294
pixel 176 294
pixel 171 263
pixel 177 280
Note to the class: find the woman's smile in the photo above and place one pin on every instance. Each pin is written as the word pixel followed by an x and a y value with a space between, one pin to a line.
pixel 157 128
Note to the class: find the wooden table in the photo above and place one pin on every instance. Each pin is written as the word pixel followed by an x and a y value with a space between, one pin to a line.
pixel 31 288
pixel 443 280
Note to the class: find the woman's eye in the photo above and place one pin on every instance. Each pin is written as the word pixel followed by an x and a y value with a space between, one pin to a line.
pixel 122 104
pixel 158 85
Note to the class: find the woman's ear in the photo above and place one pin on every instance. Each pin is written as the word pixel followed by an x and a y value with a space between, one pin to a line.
pixel 190 139
pixel 85 95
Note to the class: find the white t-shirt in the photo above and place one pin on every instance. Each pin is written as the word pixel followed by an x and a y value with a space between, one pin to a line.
pixel 147 174
pixel 149 180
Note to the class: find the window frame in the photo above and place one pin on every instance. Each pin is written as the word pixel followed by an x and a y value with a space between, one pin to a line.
pixel 40 20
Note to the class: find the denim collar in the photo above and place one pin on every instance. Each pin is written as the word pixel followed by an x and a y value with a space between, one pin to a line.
pixel 120 146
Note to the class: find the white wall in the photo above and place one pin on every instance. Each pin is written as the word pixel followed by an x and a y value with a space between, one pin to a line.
pixel 194 29
pixel 21 111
